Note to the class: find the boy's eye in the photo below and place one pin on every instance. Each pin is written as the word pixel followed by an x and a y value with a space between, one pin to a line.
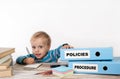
pixel 33 47
pixel 40 46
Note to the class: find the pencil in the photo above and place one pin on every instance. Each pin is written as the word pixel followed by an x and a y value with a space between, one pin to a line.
pixel 28 51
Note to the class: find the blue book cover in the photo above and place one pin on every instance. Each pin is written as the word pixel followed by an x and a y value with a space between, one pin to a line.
pixel 96 67
pixel 101 53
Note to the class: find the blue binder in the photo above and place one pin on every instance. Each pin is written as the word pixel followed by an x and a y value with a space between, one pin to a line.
pixel 104 53
pixel 96 67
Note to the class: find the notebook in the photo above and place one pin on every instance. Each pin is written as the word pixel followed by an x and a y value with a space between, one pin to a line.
pixel 62 71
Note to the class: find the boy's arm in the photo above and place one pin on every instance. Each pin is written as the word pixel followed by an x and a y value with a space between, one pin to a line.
pixel 57 50
pixel 20 59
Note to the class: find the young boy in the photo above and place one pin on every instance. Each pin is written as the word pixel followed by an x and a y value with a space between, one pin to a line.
pixel 41 42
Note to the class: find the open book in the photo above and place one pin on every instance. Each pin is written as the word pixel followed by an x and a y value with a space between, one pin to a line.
pixel 52 65
pixel 32 66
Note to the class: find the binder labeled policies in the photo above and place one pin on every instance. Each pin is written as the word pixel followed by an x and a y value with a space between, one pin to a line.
pixel 103 53
pixel 96 67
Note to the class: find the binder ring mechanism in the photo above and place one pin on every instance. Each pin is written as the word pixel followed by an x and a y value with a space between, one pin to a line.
pixel 105 68
pixel 97 53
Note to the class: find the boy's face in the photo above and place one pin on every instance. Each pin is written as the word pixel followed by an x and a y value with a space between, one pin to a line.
pixel 39 47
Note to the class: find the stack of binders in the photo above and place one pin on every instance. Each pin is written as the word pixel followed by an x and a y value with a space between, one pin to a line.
pixel 6 62
pixel 92 60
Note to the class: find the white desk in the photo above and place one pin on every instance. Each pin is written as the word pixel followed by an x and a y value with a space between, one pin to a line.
pixel 20 73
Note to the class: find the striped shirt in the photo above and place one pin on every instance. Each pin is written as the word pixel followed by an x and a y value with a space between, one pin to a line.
pixel 52 56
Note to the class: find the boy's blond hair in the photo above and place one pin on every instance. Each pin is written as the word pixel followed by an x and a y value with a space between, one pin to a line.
pixel 42 34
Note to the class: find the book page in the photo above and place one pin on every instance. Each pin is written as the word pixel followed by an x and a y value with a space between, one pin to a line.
pixel 32 66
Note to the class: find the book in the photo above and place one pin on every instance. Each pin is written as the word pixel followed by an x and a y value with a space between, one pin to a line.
pixel 32 66
pixel 99 53
pixel 96 67
pixel 56 63
pixel 6 73
pixel 62 71
pixel 6 51
pixel 52 65
pixel 6 64
pixel 4 59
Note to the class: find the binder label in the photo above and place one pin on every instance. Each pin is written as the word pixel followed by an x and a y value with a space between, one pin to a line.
pixel 77 54
pixel 85 67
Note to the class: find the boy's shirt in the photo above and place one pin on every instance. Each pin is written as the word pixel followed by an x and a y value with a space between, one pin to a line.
pixel 52 56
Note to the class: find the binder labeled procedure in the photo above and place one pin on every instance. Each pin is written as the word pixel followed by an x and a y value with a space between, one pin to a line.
pixel 96 67
pixel 103 53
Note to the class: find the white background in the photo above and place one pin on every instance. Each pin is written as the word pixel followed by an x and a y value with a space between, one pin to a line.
pixel 81 23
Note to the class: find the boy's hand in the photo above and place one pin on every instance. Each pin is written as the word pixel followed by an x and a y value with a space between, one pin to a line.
pixel 29 60
pixel 67 46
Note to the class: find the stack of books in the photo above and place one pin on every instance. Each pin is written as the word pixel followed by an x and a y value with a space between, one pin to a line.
pixel 92 60
pixel 6 62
